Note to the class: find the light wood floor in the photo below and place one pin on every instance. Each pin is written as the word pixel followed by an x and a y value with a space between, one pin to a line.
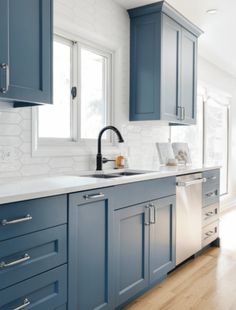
pixel 206 283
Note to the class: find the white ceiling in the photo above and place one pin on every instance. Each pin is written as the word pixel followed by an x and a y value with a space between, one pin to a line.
pixel 218 43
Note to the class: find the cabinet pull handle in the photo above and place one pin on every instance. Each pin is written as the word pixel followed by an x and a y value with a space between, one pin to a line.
pixel 26 303
pixel 94 196
pixel 147 222
pixel 183 113
pixel 209 213
pixel 16 262
pixel 27 218
pixel 4 67
pixel 211 194
pixel 209 233
pixel 179 113
pixel 212 178
pixel 152 212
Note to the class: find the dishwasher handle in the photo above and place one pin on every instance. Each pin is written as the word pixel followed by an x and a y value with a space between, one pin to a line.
pixel 191 182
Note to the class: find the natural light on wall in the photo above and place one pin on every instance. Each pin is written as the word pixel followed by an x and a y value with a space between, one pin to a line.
pixel 60 112
pixel 93 94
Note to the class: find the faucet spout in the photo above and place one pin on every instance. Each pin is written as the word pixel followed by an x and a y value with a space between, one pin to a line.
pixel 99 153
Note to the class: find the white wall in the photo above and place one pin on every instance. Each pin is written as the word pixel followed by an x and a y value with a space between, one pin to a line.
pixel 107 24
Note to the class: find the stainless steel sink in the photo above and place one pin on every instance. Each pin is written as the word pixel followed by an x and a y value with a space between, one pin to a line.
pixel 117 174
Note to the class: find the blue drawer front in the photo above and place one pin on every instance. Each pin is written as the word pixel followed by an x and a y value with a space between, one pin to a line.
pixel 139 192
pixel 46 249
pixel 45 213
pixel 47 291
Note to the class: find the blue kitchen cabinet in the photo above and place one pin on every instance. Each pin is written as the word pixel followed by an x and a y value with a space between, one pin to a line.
pixel 162 238
pixel 131 239
pixel 26 36
pixel 144 246
pixel 163 72
pixel 90 253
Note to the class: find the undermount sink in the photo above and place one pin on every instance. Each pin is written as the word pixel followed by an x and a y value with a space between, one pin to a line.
pixel 117 174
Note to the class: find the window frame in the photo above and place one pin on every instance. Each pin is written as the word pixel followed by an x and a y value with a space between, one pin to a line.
pixel 77 145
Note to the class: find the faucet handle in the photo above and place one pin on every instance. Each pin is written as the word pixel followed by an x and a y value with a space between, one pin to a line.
pixel 106 160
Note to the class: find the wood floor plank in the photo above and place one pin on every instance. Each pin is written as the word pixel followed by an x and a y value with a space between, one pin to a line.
pixel 205 283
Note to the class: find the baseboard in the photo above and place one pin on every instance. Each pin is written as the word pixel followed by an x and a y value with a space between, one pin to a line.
pixel 227 206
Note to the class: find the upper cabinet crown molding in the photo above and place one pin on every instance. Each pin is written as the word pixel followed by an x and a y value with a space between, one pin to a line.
pixel 163 65
pixel 26 38
pixel 166 8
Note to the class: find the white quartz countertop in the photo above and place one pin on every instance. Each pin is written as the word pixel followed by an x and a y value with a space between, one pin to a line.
pixel 32 188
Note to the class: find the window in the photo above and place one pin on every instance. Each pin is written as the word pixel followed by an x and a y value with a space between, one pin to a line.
pixel 82 95
pixel 208 140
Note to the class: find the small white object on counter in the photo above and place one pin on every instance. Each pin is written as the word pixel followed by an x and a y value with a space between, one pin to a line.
pixel 50 186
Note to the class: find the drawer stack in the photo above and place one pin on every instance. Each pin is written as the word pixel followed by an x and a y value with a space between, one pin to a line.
pixel 33 254
pixel 210 211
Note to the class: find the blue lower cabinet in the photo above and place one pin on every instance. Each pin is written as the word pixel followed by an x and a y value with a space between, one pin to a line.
pixel 26 256
pixel 131 239
pixel 48 291
pixel 90 231
pixel 162 238
pixel 144 246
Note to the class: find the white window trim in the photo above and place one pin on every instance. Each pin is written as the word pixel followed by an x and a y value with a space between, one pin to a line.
pixel 76 146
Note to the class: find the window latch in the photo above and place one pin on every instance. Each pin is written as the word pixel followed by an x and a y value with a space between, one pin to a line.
pixel 74 92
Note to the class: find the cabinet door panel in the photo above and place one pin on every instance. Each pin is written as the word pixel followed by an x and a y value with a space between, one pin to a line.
pixel 189 76
pixel 171 36
pixel 89 253
pixel 29 45
pixel 3 40
pixel 162 238
pixel 131 252
pixel 145 63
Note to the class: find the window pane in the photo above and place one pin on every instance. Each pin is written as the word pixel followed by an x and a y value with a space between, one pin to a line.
pixel 93 94
pixel 216 139
pixel 54 120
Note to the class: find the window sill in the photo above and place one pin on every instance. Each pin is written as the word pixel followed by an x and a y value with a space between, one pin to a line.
pixel 69 149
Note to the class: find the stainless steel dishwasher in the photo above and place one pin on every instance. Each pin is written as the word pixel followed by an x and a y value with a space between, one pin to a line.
pixel 188 215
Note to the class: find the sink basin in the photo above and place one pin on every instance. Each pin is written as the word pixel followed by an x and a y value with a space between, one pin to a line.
pixel 117 174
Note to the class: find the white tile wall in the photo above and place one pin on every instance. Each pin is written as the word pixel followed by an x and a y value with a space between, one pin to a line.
pixel 106 23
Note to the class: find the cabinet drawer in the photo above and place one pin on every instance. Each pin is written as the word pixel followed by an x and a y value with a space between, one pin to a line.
pixel 212 177
pixel 28 216
pixel 47 291
pixel 139 192
pixel 211 196
pixel 210 233
pixel 210 214
pixel 29 255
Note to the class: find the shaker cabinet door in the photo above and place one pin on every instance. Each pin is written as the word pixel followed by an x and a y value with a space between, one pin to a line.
pixel 162 238
pixel 90 270
pixel 170 69
pixel 131 244
pixel 26 51
pixel 188 76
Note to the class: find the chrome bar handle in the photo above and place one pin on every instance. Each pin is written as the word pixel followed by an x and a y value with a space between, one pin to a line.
pixel 5 68
pixel 179 113
pixel 27 218
pixel 211 194
pixel 212 178
pixel 94 196
pixel 16 262
pixel 25 304
pixel 152 213
pixel 209 233
pixel 147 222
pixel 193 182
pixel 183 113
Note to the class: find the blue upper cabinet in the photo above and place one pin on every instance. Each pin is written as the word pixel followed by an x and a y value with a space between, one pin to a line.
pixel 163 65
pixel 26 32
